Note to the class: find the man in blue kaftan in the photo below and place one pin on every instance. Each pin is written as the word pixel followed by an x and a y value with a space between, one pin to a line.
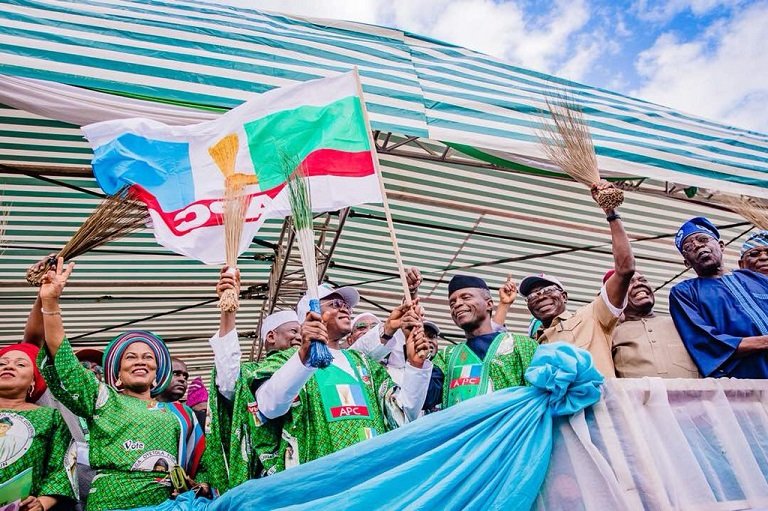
pixel 722 318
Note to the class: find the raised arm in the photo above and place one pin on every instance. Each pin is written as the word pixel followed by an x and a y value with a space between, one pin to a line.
pixel 226 343
pixel 72 384
pixel 617 285
pixel 34 331
pixel 507 295
pixel 50 292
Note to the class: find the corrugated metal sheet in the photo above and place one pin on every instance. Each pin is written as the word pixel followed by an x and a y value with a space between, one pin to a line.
pixel 450 217
pixel 209 55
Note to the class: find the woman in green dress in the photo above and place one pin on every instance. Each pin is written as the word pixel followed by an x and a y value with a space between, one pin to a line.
pixel 136 442
pixel 34 440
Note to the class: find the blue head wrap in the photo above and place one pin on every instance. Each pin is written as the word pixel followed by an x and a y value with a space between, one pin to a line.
pixel 115 349
pixel 693 226
pixel 757 239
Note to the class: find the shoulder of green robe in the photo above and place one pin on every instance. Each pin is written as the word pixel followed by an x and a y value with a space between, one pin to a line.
pixel 268 366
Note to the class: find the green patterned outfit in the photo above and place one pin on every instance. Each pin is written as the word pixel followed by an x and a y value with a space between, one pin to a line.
pixel 332 411
pixel 38 439
pixel 133 443
pixel 467 376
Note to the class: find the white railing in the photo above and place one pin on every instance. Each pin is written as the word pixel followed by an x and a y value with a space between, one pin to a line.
pixel 664 444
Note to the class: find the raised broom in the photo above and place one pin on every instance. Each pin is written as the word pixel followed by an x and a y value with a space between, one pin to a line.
pixel 300 199
pixel 236 201
pixel 567 142
pixel 749 208
pixel 117 216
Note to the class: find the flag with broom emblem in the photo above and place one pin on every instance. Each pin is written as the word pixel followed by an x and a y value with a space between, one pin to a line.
pixel 221 179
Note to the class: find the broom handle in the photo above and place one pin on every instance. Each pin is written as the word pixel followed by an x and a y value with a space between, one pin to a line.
pixel 385 202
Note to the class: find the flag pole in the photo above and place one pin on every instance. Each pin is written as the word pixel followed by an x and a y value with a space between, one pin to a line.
pixel 385 202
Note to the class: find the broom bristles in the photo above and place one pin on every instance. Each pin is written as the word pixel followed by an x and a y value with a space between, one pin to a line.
pixel 301 211
pixel 567 141
pixel 236 202
pixel 224 153
pixel 117 216
pixel 750 209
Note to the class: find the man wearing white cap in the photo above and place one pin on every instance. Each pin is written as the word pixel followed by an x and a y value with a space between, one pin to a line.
pixel 299 413
pixel 281 330
pixel 361 325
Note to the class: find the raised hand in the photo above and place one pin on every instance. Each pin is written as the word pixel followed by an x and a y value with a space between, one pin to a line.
pixel 412 318
pixel 508 291
pixel 395 319
pixel 54 281
pixel 413 278
pixel 228 280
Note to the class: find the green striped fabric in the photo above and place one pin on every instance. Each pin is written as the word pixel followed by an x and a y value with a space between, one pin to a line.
pixel 213 56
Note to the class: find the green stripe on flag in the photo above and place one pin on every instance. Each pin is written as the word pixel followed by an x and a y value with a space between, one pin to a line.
pixel 300 131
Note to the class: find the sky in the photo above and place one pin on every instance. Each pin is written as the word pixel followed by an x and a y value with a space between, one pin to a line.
pixel 704 57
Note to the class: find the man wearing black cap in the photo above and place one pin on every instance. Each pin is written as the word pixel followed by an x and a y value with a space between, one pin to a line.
pixel 722 318
pixel 487 361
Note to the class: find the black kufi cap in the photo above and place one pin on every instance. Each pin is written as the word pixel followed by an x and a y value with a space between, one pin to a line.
pixel 465 281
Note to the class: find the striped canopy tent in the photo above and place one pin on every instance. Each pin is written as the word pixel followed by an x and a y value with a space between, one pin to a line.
pixel 456 134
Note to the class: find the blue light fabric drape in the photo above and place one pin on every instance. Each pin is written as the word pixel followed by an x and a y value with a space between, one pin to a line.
pixel 490 452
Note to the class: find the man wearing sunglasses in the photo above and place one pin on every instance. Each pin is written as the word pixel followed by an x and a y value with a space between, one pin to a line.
pixel 590 327
pixel 286 412
pixel 361 325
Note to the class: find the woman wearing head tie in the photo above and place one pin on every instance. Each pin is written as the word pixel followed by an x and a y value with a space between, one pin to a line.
pixel 131 433
pixel 32 438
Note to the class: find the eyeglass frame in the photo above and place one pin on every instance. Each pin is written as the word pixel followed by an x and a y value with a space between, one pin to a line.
pixel 546 290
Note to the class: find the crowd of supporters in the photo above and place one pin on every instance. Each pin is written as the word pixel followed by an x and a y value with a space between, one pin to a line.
pixel 126 428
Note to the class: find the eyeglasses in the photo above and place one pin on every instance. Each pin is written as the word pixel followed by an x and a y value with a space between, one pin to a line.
pixel 544 291
pixel 692 242
pixel 337 303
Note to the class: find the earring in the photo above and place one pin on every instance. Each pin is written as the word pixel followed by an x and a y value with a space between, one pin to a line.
pixel 31 390
pixel 118 383
pixel 154 383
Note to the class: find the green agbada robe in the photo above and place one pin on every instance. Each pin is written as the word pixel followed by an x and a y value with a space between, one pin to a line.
pixel 38 439
pixel 260 447
pixel 133 443
pixel 467 376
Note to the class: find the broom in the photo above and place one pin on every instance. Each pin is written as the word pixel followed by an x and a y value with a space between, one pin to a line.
pixel 224 154
pixel 300 200
pixel 568 143
pixel 750 209
pixel 118 215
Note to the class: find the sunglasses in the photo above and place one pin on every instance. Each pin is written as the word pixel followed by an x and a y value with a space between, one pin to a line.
pixel 337 303
pixel 544 291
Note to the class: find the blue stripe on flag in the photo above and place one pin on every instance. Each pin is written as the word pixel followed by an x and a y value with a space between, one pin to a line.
pixel 162 168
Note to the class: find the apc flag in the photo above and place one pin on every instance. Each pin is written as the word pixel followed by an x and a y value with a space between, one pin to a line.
pixel 180 171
